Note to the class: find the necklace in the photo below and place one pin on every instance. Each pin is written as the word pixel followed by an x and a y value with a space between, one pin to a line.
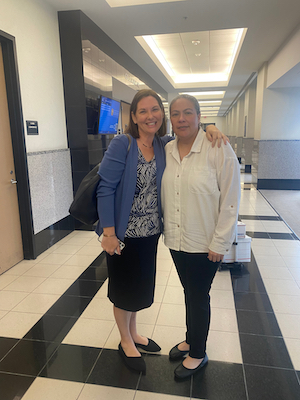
pixel 149 147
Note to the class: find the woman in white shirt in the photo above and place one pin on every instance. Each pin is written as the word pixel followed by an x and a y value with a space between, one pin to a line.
pixel 200 202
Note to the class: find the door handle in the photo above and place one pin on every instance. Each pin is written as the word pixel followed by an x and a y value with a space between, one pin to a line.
pixel 13 181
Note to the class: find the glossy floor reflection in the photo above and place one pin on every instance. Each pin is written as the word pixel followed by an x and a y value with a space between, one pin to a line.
pixel 58 338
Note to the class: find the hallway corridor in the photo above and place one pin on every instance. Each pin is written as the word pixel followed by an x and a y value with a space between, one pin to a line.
pixel 58 338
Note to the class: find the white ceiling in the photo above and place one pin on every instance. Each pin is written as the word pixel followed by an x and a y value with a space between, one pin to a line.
pixel 269 23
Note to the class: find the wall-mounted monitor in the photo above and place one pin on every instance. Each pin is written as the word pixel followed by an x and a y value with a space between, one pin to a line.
pixel 109 110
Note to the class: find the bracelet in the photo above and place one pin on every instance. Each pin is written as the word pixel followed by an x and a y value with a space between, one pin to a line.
pixel 108 235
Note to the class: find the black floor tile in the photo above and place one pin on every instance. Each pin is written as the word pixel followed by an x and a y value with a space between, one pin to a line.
pixel 94 274
pixel 252 302
pixel 28 357
pixel 100 261
pixel 271 383
pixel 268 351
pixel 258 323
pixel 160 377
pixel 13 387
pixel 282 236
pixel 247 279
pixel 110 370
pixel 258 235
pixel 83 288
pixel 51 328
pixel 220 381
pixel 69 306
pixel 71 363
pixel 6 344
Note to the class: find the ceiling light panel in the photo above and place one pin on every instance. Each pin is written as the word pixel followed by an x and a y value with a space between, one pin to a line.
pixel 126 3
pixel 210 61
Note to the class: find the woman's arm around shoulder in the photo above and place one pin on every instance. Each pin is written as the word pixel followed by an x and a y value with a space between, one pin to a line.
pixel 214 135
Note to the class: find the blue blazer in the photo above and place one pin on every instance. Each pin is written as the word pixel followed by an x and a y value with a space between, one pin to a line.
pixel 118 174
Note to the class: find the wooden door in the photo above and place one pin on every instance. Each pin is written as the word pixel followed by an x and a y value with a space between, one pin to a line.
pixel 11 247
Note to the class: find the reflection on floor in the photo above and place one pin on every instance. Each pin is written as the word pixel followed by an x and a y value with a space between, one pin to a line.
pixel 58 338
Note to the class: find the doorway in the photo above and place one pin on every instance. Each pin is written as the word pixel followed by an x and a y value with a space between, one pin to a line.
pixel 11 250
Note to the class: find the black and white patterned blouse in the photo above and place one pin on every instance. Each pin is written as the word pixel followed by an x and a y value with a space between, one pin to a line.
pixel 144 219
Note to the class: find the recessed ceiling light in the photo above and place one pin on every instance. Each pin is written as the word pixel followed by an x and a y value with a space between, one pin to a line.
pixel 86 49
pixel 198 54
pixel 196 42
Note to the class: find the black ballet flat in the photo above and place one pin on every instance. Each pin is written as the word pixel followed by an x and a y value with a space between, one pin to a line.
pixel 151 347
pixel 135 363
pixel 181 372
pixel 176 354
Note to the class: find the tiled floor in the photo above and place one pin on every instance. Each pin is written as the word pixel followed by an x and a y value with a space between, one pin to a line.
pixel 58 338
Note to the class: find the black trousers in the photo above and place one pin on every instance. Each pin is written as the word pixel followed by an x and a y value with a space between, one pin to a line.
pixel 196 274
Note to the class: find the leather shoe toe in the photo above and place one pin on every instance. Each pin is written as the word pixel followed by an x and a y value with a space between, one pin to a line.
pixel 181 372
pixel 176 354
pixel 135 363
pixel 152 347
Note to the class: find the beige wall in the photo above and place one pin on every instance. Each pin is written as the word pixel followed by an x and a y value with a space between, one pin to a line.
pixel 34 25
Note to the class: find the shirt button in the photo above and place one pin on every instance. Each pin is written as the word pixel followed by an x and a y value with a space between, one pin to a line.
pixel 177 193
pixel 177 226
pixel 177 176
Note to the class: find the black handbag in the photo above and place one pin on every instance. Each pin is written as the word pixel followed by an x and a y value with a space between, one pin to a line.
pixel 84 205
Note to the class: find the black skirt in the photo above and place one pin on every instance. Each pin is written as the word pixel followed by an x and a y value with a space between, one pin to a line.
pixel 131 276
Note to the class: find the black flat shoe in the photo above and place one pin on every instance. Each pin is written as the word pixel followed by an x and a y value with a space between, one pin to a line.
pixel 181 372
pixel 176 354
pixel 152 347
pixel 135 363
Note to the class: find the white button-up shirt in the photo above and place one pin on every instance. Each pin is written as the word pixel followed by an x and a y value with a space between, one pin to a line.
pixel 200 197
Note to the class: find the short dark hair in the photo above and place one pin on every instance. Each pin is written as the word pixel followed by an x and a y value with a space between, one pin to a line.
pixel 132 128
pixel 192 99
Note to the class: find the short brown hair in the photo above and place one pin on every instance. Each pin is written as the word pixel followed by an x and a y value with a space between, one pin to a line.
pixel 132 128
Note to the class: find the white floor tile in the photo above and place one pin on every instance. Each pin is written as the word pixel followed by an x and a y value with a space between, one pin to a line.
pixel 50 389
pixel 42 270
pixel 159 293
pixel 224 346
pixel 89 332
pixel 24 284
pixel 285 304
pixel 80 260
pixel 96 392
pixel 9 300
pixel 54 286
pixel 171 315
pixel 221 299
pixel 174 279
pixel 37 303
pixel 173 295
pixel 20 268
pixel 293 346
pixel 17 324
pixel 270 261
pixel 148 315
pixel 6 280
pixel 101 309
pixel 67 249
pixel 289 325
pixel 164 264
pixel 276 273
pixel 140 395
pixel 162 277
pixel 290 252
pixel 114 337
pixel 2 313
pixel 291 262
pixel 55 259
pixel 68 272
pixel 222 281
pixel 223 320
pixel 282 286
pixel 90 251
pixel 168 336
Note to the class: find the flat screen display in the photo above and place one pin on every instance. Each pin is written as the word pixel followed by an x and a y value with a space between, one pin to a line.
pixel 109 110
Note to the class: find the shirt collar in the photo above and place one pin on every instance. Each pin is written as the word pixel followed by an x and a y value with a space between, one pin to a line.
pixel 196 147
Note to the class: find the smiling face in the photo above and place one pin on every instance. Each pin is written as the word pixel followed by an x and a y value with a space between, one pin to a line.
pixel 148 116
pixel 184 119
